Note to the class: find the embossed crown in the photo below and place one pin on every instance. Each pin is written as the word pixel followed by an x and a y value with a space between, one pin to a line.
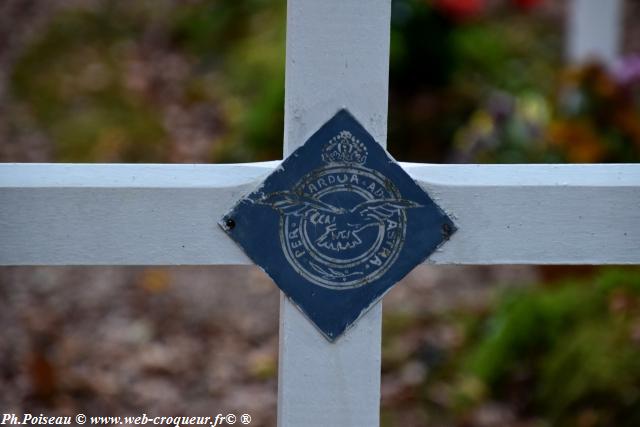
pixel 344 148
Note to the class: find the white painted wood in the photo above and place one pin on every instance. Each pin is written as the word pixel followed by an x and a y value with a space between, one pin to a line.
pixel 337 56
pixel 60 214
pixel 594 30
pixel 537 214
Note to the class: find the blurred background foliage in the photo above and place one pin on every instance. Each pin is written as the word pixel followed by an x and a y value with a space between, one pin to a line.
pixel 203 81
pixel 470 81
pixel 157 81
pixel 562 353
pixel 569 349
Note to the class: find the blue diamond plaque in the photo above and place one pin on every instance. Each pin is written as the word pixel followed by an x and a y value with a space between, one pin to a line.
pixel 338 224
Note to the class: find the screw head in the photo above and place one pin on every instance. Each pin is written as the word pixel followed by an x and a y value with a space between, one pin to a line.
pixel 446 230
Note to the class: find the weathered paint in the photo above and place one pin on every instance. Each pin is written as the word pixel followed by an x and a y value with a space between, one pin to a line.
pixel 337 224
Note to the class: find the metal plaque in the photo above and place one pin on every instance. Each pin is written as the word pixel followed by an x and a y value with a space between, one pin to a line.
pixel 337 224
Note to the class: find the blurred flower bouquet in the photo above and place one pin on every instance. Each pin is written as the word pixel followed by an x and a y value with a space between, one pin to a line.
pixel 597 114
pixel 594 116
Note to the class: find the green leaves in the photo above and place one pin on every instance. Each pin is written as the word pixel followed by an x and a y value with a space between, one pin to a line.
pixel 576 344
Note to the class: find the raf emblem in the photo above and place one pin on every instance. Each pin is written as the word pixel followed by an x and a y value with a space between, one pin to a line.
pixel 342 225
pixel 338 224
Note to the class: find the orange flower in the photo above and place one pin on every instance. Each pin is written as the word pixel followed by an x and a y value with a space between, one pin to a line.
pixel 577 140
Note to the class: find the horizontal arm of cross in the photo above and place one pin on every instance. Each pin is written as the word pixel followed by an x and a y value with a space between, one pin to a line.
pixel 138 214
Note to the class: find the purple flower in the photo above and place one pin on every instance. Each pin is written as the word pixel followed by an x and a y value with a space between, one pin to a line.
pixel 627 70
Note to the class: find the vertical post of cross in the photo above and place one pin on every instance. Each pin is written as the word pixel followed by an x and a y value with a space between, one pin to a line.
pixel 337 57
pixel 594 30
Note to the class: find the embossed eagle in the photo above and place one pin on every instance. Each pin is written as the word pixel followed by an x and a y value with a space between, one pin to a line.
pixel 342 225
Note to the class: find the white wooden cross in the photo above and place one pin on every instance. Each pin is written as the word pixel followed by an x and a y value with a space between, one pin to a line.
pixel 337 56
pixel 594 30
